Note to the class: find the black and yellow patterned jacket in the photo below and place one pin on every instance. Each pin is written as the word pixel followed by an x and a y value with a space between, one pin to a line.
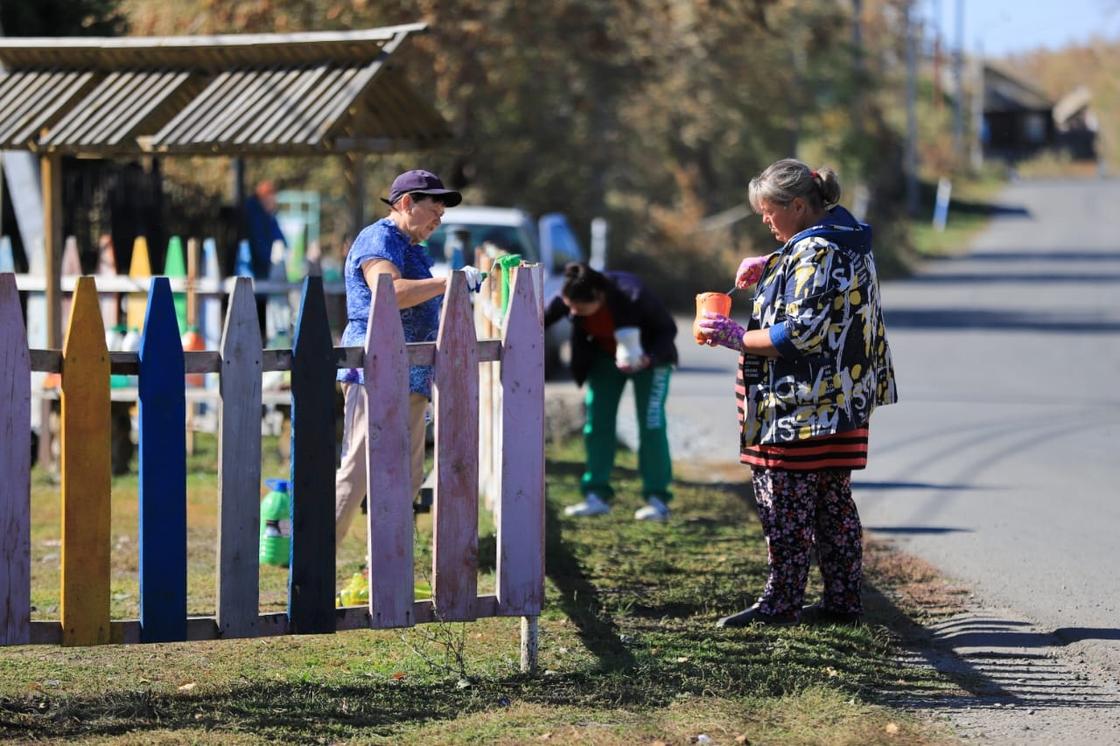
pixel 819 297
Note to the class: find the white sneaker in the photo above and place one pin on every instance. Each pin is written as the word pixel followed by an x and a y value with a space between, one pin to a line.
pixel 591 505
pixel 655 510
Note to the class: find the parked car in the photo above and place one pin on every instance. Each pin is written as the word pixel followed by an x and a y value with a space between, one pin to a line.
pixel 549 241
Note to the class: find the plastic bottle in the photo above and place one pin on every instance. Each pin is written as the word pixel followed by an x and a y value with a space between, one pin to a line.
pixel 276 524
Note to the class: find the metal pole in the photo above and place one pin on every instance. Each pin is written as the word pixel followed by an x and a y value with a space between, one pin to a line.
pixel 958 77
pixel 977 155
pixel 355 179
pixel 858 65
pixel 911 166
pixel 529 641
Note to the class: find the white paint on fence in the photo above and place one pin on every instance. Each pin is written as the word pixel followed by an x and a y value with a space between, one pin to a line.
pixel 389 479
pixel 239 466
pixel 455 510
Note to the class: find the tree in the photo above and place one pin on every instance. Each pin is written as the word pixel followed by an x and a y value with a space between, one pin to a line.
pixel 62 18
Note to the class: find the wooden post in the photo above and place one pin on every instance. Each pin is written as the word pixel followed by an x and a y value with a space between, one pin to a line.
pixel 455 511
pixel 50 166
pixel 311 578
pixel 192 278
pixel 86 473
pixel 530 641
pixel 239 467
pixel 520 514
pixel 389 481
pixel 163 472
pixel 15 474
pixel 355 180
pixel 487 376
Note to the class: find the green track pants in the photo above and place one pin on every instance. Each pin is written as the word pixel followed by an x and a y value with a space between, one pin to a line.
pixel 605 383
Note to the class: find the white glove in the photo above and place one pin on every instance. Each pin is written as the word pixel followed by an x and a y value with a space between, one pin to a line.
pixel 474 277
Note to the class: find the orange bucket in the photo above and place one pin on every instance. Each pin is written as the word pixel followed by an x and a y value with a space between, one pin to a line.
pixel 712 303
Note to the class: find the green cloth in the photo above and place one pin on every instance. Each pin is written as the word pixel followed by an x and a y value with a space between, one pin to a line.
pixel 605 383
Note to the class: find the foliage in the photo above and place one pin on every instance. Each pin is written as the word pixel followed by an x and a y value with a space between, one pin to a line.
pixel 653 113
pixel 1094 65
pixel 62 18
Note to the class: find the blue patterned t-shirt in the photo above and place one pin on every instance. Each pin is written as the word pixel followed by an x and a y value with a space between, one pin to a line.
pixel 383 240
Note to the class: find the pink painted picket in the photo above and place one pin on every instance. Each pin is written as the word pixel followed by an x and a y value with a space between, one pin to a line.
pixel 520 509
pixel 455 510
pixel 15 474
pixel 389 479
pixel 456 356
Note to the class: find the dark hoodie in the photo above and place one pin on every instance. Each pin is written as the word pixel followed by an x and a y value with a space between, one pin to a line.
pixel 630 304
pixel 819 298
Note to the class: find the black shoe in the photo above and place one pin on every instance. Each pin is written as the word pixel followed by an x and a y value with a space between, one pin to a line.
pixel 754 615
pixel 819 614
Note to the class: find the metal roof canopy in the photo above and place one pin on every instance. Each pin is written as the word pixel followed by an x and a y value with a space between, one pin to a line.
pixel 231 95
pixel 309 93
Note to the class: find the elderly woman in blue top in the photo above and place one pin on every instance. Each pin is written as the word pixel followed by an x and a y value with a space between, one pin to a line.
pixel 813 364
pixel 392 246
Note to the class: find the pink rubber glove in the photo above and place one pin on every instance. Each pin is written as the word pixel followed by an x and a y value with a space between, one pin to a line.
pixel 722 331
pixel 750 269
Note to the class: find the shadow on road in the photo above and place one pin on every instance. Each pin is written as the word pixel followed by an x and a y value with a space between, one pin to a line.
pixel 917 530
pixel 1014 278
pixel 984 318
pixel 861 485
pixel 1000 673
pixel 1049 255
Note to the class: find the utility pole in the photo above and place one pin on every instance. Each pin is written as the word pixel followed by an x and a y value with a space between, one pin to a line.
pixel 977 140
pixel 911 162
pixel 857 66
pixel 937 55
pixel 958 77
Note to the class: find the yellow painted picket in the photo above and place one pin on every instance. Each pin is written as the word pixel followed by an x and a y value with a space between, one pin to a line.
pixel 139 268
pixel 85 473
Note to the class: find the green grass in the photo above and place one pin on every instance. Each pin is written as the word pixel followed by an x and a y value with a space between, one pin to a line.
pixel 628 649
pixel 970 209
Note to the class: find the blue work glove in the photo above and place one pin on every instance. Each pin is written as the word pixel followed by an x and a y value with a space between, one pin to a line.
pixel 474 277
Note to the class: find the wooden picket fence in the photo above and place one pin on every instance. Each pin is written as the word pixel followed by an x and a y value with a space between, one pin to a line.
pixel 161 366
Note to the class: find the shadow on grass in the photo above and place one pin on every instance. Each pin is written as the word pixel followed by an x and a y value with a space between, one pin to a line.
pixel 642 600
pixel 270 710
pixel 579 599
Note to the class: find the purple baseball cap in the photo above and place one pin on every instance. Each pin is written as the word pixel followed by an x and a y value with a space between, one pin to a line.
pixel 421 182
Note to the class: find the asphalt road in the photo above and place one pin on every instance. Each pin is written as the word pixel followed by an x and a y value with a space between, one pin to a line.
pixel 1001 463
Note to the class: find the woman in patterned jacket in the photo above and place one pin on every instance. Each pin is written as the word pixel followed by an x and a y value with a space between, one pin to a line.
pixel 813 364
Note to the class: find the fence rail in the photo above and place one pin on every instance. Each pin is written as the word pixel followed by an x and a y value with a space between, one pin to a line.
pixel 161 366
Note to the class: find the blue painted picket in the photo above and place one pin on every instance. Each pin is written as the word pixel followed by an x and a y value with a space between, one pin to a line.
pixel 163 472
pixel 163 365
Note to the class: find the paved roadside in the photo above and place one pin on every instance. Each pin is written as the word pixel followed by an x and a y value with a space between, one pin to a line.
pixel 1001 464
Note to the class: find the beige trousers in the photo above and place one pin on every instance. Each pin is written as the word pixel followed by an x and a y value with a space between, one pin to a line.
pixel 350 479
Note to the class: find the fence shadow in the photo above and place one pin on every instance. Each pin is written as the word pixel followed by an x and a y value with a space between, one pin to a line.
pixel 1052 322
pixel 990 662
pixel 579 598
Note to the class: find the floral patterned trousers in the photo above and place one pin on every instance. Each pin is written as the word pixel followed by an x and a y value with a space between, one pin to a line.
pixel 798 509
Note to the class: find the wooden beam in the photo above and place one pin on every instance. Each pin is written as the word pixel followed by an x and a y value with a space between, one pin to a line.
pixel 51 180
